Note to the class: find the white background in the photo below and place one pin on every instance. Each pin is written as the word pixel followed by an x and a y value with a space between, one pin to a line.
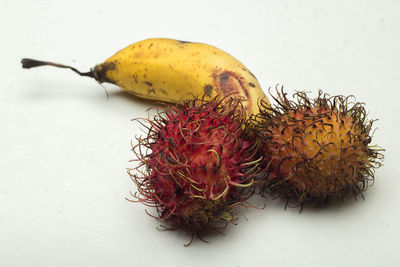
pixel 64 148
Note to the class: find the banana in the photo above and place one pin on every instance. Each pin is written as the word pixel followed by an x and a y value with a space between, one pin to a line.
pixel 171 71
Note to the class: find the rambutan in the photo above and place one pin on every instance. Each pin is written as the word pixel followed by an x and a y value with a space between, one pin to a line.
pixel 316 149
pixel 196 164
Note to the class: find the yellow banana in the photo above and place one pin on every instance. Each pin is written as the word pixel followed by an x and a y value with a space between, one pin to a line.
pixel 172 71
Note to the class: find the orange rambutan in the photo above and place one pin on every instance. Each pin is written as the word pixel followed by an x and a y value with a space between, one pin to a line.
pixel 316 149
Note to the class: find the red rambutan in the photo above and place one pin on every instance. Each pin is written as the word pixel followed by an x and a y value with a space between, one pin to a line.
pixel 316 149
pixel 196 164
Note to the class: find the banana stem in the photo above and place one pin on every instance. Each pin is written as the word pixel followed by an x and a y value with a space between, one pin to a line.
pixel 28 63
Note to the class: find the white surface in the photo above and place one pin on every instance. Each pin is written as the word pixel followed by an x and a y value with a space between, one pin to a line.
pixel 64 148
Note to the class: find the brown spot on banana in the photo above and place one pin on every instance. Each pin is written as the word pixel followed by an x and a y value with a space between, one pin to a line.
pixel 183 42
pixel 208 90
pixel 148 83
pixel 135 77
pixel 252 74
pixel 228 82
pixel 163 91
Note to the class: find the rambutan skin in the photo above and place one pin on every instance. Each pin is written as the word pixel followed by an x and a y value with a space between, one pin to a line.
pixel 196 164
pixel 316 149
